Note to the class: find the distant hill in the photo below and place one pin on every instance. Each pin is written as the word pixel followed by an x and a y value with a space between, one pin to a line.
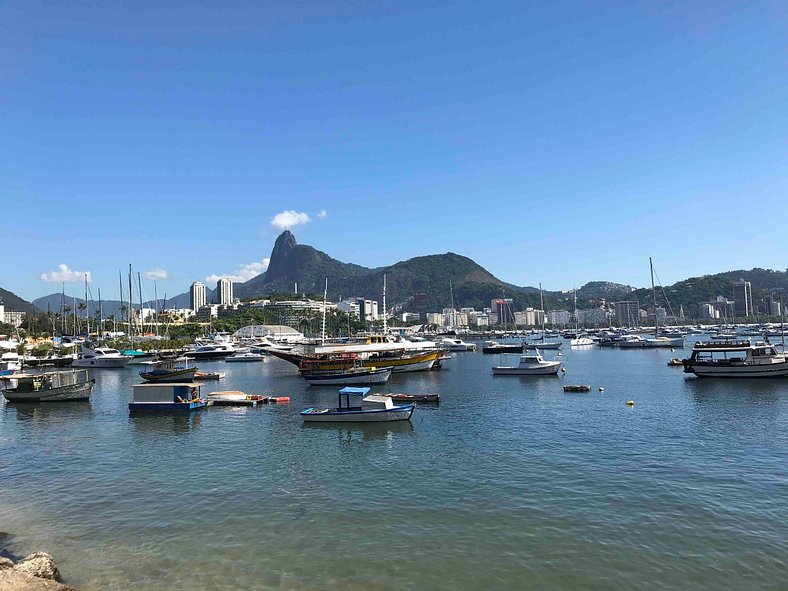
pixel 13 303
pixel 293 263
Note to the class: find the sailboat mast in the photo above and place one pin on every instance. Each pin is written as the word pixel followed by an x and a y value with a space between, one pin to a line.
pixel 451 297
pixel 87 310
pixel 63 307
pixel 576 323
pixel 541 305
pixel 131 309
pixel 385 316
pixel 100 330
pixel 654 296
pixel 142 316
pixel 325 298
pixel 156 308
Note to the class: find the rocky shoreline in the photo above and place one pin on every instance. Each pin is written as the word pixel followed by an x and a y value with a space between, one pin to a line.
pixel 35 572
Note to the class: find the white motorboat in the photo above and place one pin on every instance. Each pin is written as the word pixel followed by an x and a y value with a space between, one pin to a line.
pixel 736 360
pixel 531 364
pixel 452 344
pixel 244 357
pixel 632 341
pixel 100 357
pixel 372 409
pixel 581 342
pixel 58 386
pixel 10 363
pixel 665 342
pixel 211 352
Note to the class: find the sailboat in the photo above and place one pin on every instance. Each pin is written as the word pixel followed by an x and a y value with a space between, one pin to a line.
pixel 542 342
pixel 658 341
pixel 579 341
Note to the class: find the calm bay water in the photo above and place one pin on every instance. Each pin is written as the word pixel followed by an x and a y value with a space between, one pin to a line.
pixel 509 483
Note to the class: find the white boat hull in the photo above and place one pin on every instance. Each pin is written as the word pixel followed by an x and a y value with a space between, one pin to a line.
pixel 544 345
pixel 545 370
pixel 581 342
pixel 402 413
pixel 101 362
pixel 419 366
pixel 770 370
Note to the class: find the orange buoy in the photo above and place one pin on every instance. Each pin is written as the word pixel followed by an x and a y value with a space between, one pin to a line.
pixel 279 399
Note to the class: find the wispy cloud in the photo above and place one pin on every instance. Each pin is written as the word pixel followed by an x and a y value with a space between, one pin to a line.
pixel 242 274
pixel 65 274
pixel 155 274
pixel 289 219
pixel 322 215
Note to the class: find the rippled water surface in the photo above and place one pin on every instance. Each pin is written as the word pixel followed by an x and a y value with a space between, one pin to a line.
pixel 508 484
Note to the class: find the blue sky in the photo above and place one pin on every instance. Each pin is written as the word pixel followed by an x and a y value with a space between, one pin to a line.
pixel 554 142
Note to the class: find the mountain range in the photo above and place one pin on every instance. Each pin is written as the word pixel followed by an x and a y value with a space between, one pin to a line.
pixel 443 278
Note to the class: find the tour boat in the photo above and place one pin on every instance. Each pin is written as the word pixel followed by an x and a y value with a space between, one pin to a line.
pixel 57 386
pixel 371 409
pixel 100 357
pixel 734 359
pixel 450 344
pixel 530 364
pixel 354 376
pixel 244 357
pixel 176 397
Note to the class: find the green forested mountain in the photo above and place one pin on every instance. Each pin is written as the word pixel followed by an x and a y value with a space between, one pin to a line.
pixel 13 302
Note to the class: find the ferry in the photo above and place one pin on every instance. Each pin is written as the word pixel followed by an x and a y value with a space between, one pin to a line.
pixel 736 359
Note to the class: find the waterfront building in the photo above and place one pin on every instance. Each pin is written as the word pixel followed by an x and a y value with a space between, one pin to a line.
pixel 13 318
pixel 592 317
pixel 367 309
pixel 529 317
pixel 435 318
pixel 275 332
pixel 502 309
pixel 420 305
pixel 742 299
pixel 295 311
pixel 409 317
pixel 662 316
pixel 709 311
pixel 627 312
pixel 197 296
pixel 224 292
pixel 558 317
pixel 350 307
pixel 208 311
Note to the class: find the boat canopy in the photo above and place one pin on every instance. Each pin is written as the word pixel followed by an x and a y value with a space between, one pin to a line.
pixel 351 391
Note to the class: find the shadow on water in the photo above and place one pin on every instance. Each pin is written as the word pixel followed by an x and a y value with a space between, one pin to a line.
pixel 348 433
pixel 176 423
pixel 706 390
pixel 46 412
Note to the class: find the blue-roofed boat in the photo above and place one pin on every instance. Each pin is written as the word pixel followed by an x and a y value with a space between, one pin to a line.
pixel 355 405
pixel 166 398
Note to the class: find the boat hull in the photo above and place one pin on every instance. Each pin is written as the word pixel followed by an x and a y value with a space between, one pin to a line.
pixel 348 378
pixel 166 406
pixel 772 370
pixel 502 349
pixel 546 346
pixel 64 394
pixel 101 363
pixel 179 375
pixel 398 413
pixel 526 371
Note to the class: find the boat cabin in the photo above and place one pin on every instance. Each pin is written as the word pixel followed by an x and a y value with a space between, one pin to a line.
pixel 348 400
pixel 49 381
pixel 173 396
pixel 734 353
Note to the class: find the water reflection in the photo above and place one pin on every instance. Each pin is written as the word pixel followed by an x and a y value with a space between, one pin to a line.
pixel 175 423
pixel 46 413
pixel 361 432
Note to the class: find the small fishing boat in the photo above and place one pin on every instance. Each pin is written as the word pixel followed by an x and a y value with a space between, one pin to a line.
pixel 370 409
pixel 675 362
pixel 58 386
pixel 531 364
pixel 577 388
pixel 167 371
pixel 355 376
pixel 177 397
pixel 414 397
pixel 492 347
pixel 208 375
pixel 244 357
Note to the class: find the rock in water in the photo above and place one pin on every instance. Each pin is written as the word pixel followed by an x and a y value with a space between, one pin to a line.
pixel 39 564
pixel 5 563
pixel 13 580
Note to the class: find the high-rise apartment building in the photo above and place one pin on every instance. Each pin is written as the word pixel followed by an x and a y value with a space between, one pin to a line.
pixel 224 291
pixel 197 296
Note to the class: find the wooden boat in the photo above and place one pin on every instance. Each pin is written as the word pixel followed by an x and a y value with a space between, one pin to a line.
pixel 208 375
pixel 371 409
pixel 414 397
pixel 166 372
pixel 398 361
pixel 577 388
pixel 59 386
pixel 178 397
pixel 531 364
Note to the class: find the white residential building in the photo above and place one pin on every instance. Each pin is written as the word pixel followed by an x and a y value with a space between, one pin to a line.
pixel 196 296
pixel 224 292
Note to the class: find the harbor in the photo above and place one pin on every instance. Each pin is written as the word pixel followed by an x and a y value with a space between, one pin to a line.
pixel 513 479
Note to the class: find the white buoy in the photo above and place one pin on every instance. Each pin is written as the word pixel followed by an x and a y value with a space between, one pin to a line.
pixel 601 389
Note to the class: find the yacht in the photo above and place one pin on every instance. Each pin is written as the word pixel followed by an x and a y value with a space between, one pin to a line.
pixel 734 359
pixel 10 363
pixel 453 344
pixel 244 357
pixel 211 352
pixel 100 357
pixel 531 364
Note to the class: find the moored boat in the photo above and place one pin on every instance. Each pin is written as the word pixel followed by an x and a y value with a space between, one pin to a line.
pixel 354 376
pixel 531 364
pixel 736 359
pixel 176 397
pixel 401 397
pixel 244 357
pixel 492 347
pixel 58 386
pixel 370 409
pixel 100 358
pixel 167 371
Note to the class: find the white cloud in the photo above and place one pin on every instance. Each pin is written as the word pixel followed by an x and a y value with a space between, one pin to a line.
pixel 155 274
pixel 289 219
pixel 322 215
pixel 65 275
pixel 242 274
